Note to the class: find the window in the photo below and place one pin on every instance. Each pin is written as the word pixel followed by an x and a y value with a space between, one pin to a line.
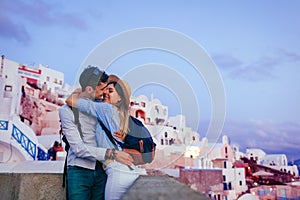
pixel 229 186
pixel 226 150
pixel 55 80
pixel 283 193
pixel 157 109
pixel 47 78
pixel 60 82
pixel 224 186
pixel 166 134
pixel 241 183
pixel 8 88
pixel 225 165
pixel 224 178
pixel 162 141
pixel 143 104
pixel 261 192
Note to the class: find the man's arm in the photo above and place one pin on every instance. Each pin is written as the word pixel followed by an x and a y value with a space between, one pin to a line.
pixel 79 147
pixel 73 136
pixel 102 111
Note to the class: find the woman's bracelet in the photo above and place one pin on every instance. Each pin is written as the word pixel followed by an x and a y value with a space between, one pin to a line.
pixel 114 154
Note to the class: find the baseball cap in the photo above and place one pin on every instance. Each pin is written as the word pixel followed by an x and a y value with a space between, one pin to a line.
pixel 92 76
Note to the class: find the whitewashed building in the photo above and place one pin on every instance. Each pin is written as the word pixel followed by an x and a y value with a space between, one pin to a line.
pixel 220 155
pixel 28 109
pixel 18 142
pixel 255 154
pixel 275 161
pixel 166 130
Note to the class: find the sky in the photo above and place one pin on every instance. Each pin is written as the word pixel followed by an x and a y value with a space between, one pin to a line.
pixel 254 48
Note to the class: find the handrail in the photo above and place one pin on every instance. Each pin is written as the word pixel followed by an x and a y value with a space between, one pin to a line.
pixel 30 147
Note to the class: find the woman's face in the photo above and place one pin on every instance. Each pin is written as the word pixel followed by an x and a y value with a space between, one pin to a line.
pixel 110 95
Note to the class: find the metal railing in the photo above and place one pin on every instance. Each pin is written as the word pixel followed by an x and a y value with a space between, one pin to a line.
pixel 24 141
pixel 3 125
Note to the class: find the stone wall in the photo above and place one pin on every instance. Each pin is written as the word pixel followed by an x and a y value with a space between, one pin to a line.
pixel 203 180
pixel 44 186
pixel 29 186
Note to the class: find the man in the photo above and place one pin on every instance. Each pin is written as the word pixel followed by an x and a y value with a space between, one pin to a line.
pixel 86 178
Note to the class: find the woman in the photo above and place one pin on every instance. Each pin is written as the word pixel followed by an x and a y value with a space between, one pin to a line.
pixel 113 112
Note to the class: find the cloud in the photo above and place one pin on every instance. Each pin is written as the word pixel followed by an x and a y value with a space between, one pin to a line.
pixel 12 30
pixel 17 15
pixel 259 70
pixel 226 61
pixel 279 138
pixel 288 55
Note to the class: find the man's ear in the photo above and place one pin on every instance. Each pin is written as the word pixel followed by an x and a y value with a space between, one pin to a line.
pixel 89 89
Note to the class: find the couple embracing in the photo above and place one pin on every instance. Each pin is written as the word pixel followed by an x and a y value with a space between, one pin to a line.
pixel 97 166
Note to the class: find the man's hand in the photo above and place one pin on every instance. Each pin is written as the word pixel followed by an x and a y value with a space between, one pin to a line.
pixel 123 158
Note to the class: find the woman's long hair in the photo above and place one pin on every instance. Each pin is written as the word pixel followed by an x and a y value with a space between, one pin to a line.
pixel 123 90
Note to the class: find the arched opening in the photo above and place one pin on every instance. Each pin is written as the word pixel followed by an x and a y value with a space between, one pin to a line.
pixel 140 114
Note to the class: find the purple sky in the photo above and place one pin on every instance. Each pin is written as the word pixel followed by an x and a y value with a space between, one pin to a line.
pixel 255 45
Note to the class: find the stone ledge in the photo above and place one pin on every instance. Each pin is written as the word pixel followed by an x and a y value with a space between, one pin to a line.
pixel 44 186
pixel 160 187
pixel 20 186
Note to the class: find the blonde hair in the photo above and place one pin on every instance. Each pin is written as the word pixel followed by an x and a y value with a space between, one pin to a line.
pixel 124 91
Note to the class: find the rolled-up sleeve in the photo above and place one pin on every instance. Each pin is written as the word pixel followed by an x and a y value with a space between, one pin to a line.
pixel 78 147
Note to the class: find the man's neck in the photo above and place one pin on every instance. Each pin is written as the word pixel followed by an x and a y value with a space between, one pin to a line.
pixel 86 95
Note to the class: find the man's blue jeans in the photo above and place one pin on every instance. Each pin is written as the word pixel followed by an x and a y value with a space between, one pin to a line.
pixel 86 184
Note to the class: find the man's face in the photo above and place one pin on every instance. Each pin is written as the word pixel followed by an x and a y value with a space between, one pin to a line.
pixel 99 91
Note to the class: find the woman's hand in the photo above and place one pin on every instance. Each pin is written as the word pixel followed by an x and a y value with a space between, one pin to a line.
pixel 119 135
pixel 73 98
